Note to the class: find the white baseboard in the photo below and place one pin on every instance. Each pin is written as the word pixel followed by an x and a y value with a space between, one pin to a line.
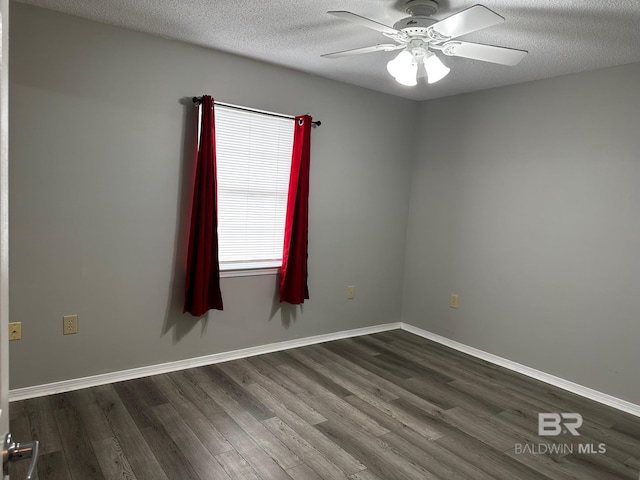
pixel 94 380
pixel 586 392
pixel 129 374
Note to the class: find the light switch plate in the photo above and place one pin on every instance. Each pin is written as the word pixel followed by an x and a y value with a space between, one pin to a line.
pixel 453 301
pixel 15 330
pixel 351 292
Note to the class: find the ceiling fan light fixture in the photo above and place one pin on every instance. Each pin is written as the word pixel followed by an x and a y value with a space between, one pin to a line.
pixel 409 77
pixel 419 35
pixel 401 61
pixel 404 68
pixel 436 70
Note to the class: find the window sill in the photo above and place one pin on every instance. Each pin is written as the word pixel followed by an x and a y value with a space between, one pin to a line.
pixel 249 271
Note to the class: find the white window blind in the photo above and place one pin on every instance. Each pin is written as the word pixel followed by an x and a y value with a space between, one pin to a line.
pixel 253 153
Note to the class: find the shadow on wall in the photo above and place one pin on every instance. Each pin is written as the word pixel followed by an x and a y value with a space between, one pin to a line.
pixel 288 312
pixel 175 319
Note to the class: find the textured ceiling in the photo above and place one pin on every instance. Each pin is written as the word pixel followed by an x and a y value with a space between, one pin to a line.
pixel 562 36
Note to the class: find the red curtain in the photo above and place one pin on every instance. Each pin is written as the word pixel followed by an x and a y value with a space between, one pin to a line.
pixel 293 282
pixel 202 286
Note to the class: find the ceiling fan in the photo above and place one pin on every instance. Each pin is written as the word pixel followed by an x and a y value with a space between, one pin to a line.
pixel 419 36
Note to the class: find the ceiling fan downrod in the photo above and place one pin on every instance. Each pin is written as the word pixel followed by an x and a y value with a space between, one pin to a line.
pixel 422 8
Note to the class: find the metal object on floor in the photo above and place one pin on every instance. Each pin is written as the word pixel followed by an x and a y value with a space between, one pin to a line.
pixel 14 451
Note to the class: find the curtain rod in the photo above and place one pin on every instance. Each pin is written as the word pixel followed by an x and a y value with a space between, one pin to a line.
pixel 198 100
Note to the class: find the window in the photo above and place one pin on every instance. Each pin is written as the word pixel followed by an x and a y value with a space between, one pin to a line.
pixel 253 153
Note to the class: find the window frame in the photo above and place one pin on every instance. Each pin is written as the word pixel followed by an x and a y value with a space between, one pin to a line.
pixel 261 267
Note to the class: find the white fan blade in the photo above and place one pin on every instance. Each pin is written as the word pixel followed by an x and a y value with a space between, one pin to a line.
pixel 486 53
pixel 467 21
pixel 365 22
pixel 386 47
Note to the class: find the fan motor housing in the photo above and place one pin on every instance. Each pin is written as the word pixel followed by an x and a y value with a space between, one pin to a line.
pixel 415 25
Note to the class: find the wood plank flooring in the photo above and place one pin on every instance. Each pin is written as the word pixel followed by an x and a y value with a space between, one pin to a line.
pixel 389 406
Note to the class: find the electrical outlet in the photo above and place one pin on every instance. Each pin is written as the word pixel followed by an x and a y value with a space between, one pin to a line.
pixel 351 292
pixel 15 330
pixel 453 301
pixel 69 324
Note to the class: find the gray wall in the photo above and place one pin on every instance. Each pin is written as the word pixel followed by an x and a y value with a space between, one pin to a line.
pixel 101 157
pixel 525 202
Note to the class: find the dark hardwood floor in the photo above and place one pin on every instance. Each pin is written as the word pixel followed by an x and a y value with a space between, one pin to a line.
pixel 389 406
